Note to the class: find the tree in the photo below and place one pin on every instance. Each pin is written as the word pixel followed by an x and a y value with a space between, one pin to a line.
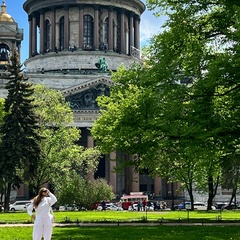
pixel 2 183
pixel 141 117
pixel 60 152
pixel 20 151
pixel 127 118
pixel 205 50
pixel 183 100
pixel 63 162
pixel 58 146
pixel 84 192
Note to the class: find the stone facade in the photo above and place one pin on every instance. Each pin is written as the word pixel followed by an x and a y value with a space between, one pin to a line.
pixel 10 39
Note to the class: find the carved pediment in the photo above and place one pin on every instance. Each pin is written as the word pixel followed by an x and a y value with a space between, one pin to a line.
pixel 84 96
pixel 87 99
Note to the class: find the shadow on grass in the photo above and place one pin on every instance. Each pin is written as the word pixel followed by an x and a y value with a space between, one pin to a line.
pixel 129 233
pixel 148 233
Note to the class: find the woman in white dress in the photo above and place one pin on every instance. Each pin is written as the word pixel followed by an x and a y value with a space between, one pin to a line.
pixel 43 219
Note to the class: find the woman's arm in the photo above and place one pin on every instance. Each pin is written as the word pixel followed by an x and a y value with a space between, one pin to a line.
pixel 30 210
pixel 52 199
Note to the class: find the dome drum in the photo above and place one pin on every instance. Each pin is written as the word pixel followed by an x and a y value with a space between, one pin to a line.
pixel 87 27
pixel 78 60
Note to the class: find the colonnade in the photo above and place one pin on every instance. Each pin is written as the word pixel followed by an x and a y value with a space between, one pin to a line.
pixel 132 178
pixel 121 34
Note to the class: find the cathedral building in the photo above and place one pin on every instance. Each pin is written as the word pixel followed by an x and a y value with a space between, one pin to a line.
pixel 10 38
pixel 73 47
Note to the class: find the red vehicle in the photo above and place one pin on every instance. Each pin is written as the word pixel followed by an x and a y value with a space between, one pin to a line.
pixel 133 198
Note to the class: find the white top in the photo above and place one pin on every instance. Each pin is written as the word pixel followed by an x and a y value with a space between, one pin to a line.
pixel 44 207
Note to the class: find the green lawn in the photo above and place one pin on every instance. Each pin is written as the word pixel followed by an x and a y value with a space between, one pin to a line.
pixel 161 232
pixel 133 233
pixel 99 216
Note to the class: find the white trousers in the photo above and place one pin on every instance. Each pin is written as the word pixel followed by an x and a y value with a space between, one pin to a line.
pixel 42 228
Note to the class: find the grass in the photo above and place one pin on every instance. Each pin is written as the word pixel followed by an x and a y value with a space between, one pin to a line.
pixel 115 232
pixel 110 216
pixel 130 233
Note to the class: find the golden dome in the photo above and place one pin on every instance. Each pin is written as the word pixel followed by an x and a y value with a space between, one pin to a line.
pixel 4 17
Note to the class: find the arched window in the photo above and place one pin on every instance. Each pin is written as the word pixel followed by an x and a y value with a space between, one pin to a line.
pixel 47 36
pixel 4 55
pixel 61 33
pixel 88 32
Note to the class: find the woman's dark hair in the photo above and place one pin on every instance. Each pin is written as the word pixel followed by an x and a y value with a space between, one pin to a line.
pixel 38 198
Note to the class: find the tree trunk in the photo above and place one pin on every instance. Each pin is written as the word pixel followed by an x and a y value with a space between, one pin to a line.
pixel 190 192
pixel 210 193
pixel 234 191
pixel 7 197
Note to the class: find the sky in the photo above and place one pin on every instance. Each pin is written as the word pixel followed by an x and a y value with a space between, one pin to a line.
pixel 149 24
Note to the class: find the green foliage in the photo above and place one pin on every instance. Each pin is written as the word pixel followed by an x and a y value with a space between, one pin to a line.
pixel 63 163
pixel 61 155
pixel 83 192
pixel 2 114
pixel 20 151
pixel 127 120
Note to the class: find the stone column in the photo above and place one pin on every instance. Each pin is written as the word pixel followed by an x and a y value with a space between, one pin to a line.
pixel 131 42
pixel 112 173
pixel 110 29
pixel 96 28
pixel 22 191
pixel 115 37
pixel 57 31
pixel 127 42
pixel 131 178
pixel 34 35
pixel 81 26
pixel 90 144
pixel 19 49
pixel 135 182
pixel 53 29
pixel 66 28
pixel 122 32
pixel 42 33
pixel 136 32
pixel 157 186
pixel 13 45
pixel 30 36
